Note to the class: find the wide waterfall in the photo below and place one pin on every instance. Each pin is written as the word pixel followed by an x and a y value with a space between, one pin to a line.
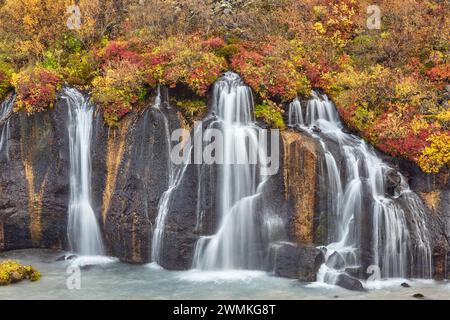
pixel 235 245
pixel 83 229
pixel 366 221
pixel 6 108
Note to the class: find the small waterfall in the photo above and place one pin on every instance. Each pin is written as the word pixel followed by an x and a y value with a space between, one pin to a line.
pixel 176 174
pixel 6 108
pixel 83 229
pixel 356 180
pixel 236 244
pixel 295 112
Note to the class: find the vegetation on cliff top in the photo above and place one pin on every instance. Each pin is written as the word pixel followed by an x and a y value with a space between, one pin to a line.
pixel 11 272
pixel 388 83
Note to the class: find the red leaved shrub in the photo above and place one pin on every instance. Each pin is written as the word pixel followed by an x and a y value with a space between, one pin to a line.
pixel 36 89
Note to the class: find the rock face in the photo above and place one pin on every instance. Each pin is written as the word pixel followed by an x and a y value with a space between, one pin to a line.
pixel 137 165
pixel 34 183
pixel 302 172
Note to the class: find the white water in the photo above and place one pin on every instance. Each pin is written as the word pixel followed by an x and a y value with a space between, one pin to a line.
pixel 235 244
pixel 359 186
pixel 83 230
pixel 6 108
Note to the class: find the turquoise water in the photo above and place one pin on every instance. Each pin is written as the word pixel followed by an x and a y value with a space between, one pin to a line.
pixel 111 279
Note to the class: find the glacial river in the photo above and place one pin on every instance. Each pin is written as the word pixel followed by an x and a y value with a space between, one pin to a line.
pixel 106 278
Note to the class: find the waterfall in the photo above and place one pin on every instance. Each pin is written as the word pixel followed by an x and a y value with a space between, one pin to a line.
pixel 83 230
pixel 357 184
pixel 235 245
pixel 6 108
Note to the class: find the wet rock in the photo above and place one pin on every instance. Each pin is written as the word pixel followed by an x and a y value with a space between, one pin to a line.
pixel 296 261
pixel 405 285
pixel 336 261
pixel 393 181
pixel 316 129
pixel 347 282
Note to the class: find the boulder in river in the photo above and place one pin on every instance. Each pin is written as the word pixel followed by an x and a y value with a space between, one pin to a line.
pixel 296 261
pixel 347 282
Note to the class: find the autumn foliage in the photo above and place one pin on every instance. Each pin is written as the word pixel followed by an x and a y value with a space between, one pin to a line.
pixel 36 89
pixel 389 85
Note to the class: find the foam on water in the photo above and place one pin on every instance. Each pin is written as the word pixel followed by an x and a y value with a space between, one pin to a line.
pixel 196 275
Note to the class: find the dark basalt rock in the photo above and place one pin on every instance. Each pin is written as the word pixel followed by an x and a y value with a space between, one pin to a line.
pixel 34 182
pixel 141 177
pixel 295 261
pixel 418 296
pixel 405 285
pixel 347 282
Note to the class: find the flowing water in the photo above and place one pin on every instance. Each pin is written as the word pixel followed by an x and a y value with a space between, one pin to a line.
pixel 236 243
pixel 358 202
pixel 116 280
pixel 83 229
pixel 6 108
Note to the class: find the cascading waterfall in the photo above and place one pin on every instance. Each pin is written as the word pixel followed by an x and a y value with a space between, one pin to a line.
pixel 235 244
pixel 83 229
pixel 356 185
pixel 6 108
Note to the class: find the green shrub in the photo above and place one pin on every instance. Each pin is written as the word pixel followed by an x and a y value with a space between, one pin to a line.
pixel 5 78
pixel 271 114
pixel 192 109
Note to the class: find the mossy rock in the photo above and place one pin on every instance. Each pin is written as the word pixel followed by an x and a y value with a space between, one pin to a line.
pixel 12 271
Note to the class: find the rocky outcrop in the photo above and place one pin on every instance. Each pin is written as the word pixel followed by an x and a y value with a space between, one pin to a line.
pixel 347 282
pixel 303 173
pixel 295 261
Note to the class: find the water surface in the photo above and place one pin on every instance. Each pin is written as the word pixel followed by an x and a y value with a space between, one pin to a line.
pixel 115 280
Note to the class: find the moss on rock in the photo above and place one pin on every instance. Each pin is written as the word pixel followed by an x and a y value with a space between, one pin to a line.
pixel 11 271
